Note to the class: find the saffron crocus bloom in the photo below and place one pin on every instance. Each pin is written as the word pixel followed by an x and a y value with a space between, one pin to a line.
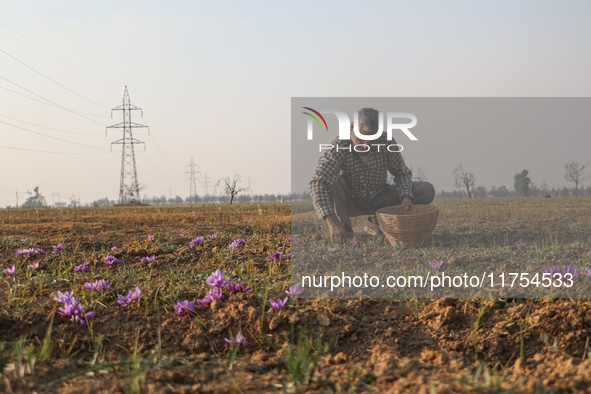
pixel 184 308
pixel 75 311
pixel 332 250
pixel 325 258
pixel 237 288
pixel 148 260
pixel 115 249
pixel 354 244
pixel 151 238
pixel 288 240
pixel 239 340
pixel 587 272
pixel 30 252
pixel 277 304
pixel 33 266
pixel 570 270
pixel 275 256
pixel 10 271
pixel 214 294
pixel 217 279
pixel 64 297
pixel 213 236
pixel 204 301
pixel 132 296
pixel 196 241
pixel 110 260
pixel 236 243
pixel 58 248
pixel 23 240
pixel 520 244
pixel 97 285
pixel 552 271
pixel 435 264
pixel 294 290
pixel 288 256
pixel 81 268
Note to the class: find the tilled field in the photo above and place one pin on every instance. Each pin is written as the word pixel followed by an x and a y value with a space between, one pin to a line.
pixel 142 344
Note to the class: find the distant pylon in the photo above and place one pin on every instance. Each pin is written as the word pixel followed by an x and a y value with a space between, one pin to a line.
pixel 205 184
pixel 193 181
pixel 129 189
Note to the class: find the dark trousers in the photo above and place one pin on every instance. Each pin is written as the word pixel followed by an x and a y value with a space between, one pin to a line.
pixel 346 206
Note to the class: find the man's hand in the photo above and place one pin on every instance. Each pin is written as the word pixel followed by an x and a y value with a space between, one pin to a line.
pixel 407 203
pixel 337 230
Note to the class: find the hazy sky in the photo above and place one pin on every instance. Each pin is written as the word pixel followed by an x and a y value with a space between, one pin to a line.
pixel 215 81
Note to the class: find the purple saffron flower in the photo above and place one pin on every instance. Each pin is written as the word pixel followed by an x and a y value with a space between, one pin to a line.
pixel 520 244
pixel 212 236
pixel 110 260
pixel 184 308
pixel 74 310
pixel 294 290
pixel 98 285
pixel 289 240
pixel 214 294
pixel 532 246
pixel 288 256
pixel 10 271
pixel 64 297
pixel 275 256
pixel 237 288
pixel 23 240
pixel 325 258
pixel 354 244
pixel 435 264
pixel 587 272
pixel 239 340
pixel 217 279
pixel 82 267
pixel 570 270
pixel 552 271
pixel 204 301
pixel 148 260
pixel 151 238
pixel 59 247
pixel 33 266
pixel 236 243
pixel 132 296
pixel 196 241
pixel 30 252
pixel 277 304
pixel 332 250
pixel 115 249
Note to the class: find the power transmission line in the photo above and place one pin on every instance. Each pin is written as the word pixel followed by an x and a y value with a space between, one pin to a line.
pixel 129 190
pixel 52 137
pixel 56 153
pixel 57 105
pixel 61 60
pixel 52 80
pixel 52 128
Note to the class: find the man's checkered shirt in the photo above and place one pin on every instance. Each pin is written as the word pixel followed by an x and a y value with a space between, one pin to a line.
pixel 367 180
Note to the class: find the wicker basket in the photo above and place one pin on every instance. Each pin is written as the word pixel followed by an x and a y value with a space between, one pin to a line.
pixel 411 227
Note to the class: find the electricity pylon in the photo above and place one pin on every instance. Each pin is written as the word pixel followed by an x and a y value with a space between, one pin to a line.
pixel 129 189
pixel 193 181
pixel 205 185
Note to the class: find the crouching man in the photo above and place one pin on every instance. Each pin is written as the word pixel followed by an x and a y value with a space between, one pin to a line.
pixel 349 183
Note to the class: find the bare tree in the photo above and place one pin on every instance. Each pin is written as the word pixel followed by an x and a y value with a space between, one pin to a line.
pixel 231 186
pixel 419 175
pixel 574 173
pixel 464 179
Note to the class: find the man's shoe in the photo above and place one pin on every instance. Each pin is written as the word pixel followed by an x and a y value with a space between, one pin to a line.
pixel 349 229
pixel 372 227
